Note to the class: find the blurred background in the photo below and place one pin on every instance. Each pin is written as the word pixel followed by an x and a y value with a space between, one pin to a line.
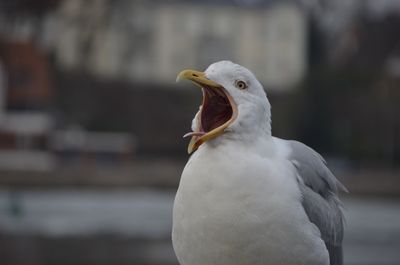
pixel 91 121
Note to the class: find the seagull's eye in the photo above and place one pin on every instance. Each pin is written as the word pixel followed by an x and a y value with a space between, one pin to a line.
pixel 241 84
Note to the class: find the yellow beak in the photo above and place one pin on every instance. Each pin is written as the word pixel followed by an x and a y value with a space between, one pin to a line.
pixel 200 79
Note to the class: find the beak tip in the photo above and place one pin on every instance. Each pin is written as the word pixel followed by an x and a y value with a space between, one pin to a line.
pixel 190 151
pixel 182 75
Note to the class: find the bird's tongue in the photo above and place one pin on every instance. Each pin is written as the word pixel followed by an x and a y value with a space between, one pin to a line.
pixel 198 134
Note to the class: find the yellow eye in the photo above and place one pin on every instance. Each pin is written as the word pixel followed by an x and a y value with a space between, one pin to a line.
pixel 241 84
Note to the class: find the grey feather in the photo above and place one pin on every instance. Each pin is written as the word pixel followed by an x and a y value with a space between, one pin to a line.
pixel 319 189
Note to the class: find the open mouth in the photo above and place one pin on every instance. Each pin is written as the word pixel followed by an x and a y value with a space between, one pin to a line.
pixel 218 109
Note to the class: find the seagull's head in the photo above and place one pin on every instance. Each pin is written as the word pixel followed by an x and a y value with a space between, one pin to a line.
pixel 234 103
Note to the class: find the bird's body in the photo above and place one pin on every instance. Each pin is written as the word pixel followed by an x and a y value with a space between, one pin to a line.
pixel 242 199
pixel 262 222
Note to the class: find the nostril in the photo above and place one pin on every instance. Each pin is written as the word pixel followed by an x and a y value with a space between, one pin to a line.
pixel 195 75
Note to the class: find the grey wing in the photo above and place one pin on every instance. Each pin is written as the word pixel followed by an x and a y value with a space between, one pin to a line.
pixel 319 189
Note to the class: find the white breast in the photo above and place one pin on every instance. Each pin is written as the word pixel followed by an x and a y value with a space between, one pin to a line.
pixel 237 207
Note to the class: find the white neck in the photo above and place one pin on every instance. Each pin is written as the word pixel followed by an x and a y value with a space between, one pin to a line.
pixel 253 122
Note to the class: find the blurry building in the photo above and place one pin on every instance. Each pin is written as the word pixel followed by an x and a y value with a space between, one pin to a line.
pixel 25 97
pixel 29 135
pixel 153 40
pixel 103 51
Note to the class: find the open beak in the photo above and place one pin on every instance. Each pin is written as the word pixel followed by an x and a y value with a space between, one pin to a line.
pixel 218 109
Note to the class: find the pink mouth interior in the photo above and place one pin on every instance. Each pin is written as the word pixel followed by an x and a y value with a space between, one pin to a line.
pixel 216 110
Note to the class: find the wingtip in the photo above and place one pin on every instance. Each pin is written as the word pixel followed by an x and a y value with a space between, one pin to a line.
pixel 341 187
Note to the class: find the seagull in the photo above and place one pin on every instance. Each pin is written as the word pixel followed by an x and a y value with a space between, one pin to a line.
pixel 246 197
